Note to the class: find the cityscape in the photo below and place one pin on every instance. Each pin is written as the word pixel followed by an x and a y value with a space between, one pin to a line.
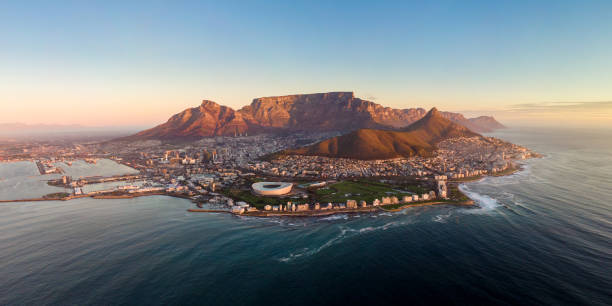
pixel 204 152
pixel 216 172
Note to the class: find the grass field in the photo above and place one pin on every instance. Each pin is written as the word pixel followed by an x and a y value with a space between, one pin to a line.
pixel 357 190
pixel 366 190
pixel 57 195
pixel 455 194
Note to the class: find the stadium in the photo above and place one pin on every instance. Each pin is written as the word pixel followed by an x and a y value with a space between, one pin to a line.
pixel 271 188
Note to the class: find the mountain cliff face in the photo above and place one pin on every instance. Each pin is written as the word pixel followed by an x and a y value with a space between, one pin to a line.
pixel 419 138
pixel 209 119
pixel 333 111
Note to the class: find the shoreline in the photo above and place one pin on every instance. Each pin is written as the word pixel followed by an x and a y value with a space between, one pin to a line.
pixel 463 203
pixel 321 213
pixel 311 213
pixel 98 197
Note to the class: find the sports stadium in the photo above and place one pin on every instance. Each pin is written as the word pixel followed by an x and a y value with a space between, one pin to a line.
pixel 271 188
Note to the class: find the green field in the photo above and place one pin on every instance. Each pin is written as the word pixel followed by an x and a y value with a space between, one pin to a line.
pixel 363 189
pixel 455 194
pixel 357 190
pixel 57 195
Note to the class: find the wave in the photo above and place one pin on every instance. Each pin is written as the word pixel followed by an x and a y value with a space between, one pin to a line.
pixel 442 218
pixel 335 217
pixel 345 232
pixel 485 202
pixel 309 252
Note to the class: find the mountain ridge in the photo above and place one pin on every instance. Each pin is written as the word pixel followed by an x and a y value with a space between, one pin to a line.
pixel 318 112
pixel 418 139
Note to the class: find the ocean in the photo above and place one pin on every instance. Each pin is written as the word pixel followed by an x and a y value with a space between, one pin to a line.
pixel 540 236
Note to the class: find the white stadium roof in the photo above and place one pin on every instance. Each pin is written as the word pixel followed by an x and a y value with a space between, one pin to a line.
pixel 272 188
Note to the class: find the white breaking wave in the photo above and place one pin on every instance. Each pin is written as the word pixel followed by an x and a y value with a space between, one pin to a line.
pixel 486 203
pixel 335 217
pixel 345 232
pixel 442 218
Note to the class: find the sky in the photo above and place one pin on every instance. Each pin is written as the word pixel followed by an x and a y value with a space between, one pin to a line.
pixel 136 63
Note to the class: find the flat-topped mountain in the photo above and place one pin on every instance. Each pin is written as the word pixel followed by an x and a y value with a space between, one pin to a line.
pixel 332 111
pixel 320 112
pixel 419 139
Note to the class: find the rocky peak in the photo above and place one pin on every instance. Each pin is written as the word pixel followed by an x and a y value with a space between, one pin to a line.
pixel 209 104
pixel 433 112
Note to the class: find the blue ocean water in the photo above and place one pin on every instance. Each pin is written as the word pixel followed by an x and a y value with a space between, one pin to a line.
pixel 541 236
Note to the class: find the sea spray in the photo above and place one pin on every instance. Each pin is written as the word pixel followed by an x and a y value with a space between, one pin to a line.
pixel 486 203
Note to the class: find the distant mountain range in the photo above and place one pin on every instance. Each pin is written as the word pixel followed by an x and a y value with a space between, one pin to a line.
pixel 53 132
pixel 22 127
pixel 419 139
pixel 333 111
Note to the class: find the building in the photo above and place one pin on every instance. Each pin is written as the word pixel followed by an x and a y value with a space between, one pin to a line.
pixel 442 189
pixel 237 209
pixel 271 188
pixel 432 194
pixel 302 207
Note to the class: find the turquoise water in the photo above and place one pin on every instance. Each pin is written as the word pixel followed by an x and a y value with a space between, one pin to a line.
pixel 111 185
pixel 22 180
pixel 102 167
pixel 542 236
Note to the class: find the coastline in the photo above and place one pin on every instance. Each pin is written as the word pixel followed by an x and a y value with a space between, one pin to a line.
pixel 320 213
pixel 466 203
pixel 311 213
pixel 97 196
pixel 463 203
pixel 507 172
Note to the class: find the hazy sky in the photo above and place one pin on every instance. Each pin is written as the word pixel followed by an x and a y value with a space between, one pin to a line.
pixel 136 63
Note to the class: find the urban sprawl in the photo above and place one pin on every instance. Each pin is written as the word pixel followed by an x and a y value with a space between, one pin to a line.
pixel 218 173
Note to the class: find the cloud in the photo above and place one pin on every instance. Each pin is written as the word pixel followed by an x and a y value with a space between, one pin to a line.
pixel 562 107
pixel 581 113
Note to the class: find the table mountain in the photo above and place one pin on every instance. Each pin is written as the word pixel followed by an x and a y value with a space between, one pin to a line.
pixel 332 111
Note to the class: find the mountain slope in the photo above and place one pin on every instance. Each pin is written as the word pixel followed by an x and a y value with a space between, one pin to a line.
pixel 486 123
pixel 332 111
pixel 368 144
pixel 208 119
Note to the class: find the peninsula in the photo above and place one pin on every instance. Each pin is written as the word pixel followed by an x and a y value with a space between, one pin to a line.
pixel 330 152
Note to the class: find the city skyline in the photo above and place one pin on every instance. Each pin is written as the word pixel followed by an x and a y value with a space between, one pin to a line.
pixel 105 64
